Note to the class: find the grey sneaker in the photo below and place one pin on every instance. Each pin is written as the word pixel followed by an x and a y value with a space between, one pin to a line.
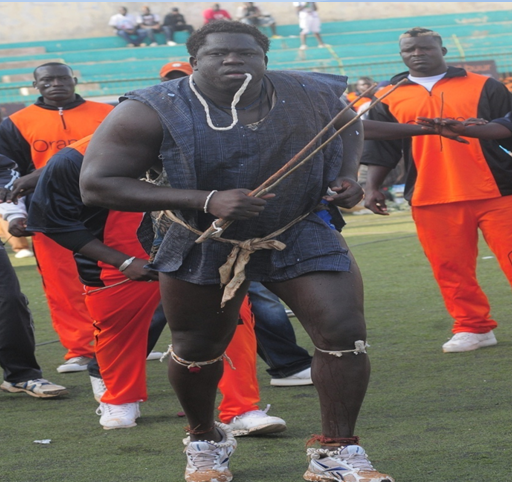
pixel 75 364
pixel 469 341
pixel 256 422
pixel 348 463
pixel 39 388
pixel 209 461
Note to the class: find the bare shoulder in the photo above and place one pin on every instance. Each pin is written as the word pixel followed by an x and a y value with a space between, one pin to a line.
pixel 131 120
pixel 128 141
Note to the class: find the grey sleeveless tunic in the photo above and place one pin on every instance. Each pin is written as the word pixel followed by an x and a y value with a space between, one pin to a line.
pixel 197 157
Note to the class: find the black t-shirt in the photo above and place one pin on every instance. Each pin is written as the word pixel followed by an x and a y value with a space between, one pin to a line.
pixel 57 211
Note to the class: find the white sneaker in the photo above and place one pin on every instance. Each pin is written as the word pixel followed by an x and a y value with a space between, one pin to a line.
pixel 118 416
pixel 469 341
pixel 98 388
pixel 303 47
pixel 75 364
pixel 154 355
pixel 345 463
pixel 170 43
pixel 24 253
pixel 295 380
pixel 39 388
pixel 209 461
pixel 256 422
pixel 153 44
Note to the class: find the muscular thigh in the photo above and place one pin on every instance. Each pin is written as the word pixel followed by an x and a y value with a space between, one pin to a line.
pixel 328 304
pixel 196 320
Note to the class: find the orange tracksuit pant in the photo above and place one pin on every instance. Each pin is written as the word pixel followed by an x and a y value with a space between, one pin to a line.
pixel 239 387
pixel 449 236
pixel 122 315
pixel 65 295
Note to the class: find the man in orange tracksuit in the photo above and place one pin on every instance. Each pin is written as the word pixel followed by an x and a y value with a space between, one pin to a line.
pixel 30 137
pixel 454 189
pixel 120 298
pixel 119 295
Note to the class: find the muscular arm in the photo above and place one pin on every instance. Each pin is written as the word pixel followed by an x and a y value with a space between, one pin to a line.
pixel 123 148
pixel 491 131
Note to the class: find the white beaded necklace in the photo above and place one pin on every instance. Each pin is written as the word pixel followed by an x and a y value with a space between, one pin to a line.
pixel 235 101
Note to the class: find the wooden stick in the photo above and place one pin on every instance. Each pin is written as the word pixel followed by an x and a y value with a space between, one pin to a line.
pixel 294 163
pixel 265 190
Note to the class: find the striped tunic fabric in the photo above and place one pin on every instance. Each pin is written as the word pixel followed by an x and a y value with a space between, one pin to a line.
pixel 197 157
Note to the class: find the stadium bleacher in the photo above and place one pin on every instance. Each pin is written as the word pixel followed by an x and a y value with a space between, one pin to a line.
pixel 106 67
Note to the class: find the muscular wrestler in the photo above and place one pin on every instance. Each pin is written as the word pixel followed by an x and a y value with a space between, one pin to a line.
pixel 215 150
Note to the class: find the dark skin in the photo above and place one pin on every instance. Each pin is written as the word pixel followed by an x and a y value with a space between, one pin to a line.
pixel 329 304
pixel 424 56
pixel 476 128
pixel 100 252
pixel 56 84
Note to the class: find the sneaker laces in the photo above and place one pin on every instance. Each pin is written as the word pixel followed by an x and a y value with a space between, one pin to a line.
pixel 204 460
pixel 30 383
pixel 357 460
pixel 228 440
pixel 254 413
pixel 461 336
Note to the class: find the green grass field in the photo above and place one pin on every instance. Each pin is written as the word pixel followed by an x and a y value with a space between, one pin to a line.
pixel 427 417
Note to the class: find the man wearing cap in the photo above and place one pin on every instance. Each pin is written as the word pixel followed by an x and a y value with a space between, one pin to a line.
pixel 175 22
pixel 175 70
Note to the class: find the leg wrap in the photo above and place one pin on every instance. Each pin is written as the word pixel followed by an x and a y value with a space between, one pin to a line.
pixel 331 441
pixel 194 366
pixel 360 347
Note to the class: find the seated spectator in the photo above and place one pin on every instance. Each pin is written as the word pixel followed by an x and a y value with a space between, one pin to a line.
pixel 150 23
pixel 126 27
pixel 215 13
pixel 252 15
pixel 175 22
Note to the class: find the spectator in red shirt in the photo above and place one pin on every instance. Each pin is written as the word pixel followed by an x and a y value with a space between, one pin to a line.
pixel 215 13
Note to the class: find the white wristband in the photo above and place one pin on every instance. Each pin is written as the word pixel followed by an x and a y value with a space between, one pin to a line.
pixel 205 208
pixel 126 263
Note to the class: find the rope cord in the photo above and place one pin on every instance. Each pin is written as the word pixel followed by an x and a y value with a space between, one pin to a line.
pixel 235 101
